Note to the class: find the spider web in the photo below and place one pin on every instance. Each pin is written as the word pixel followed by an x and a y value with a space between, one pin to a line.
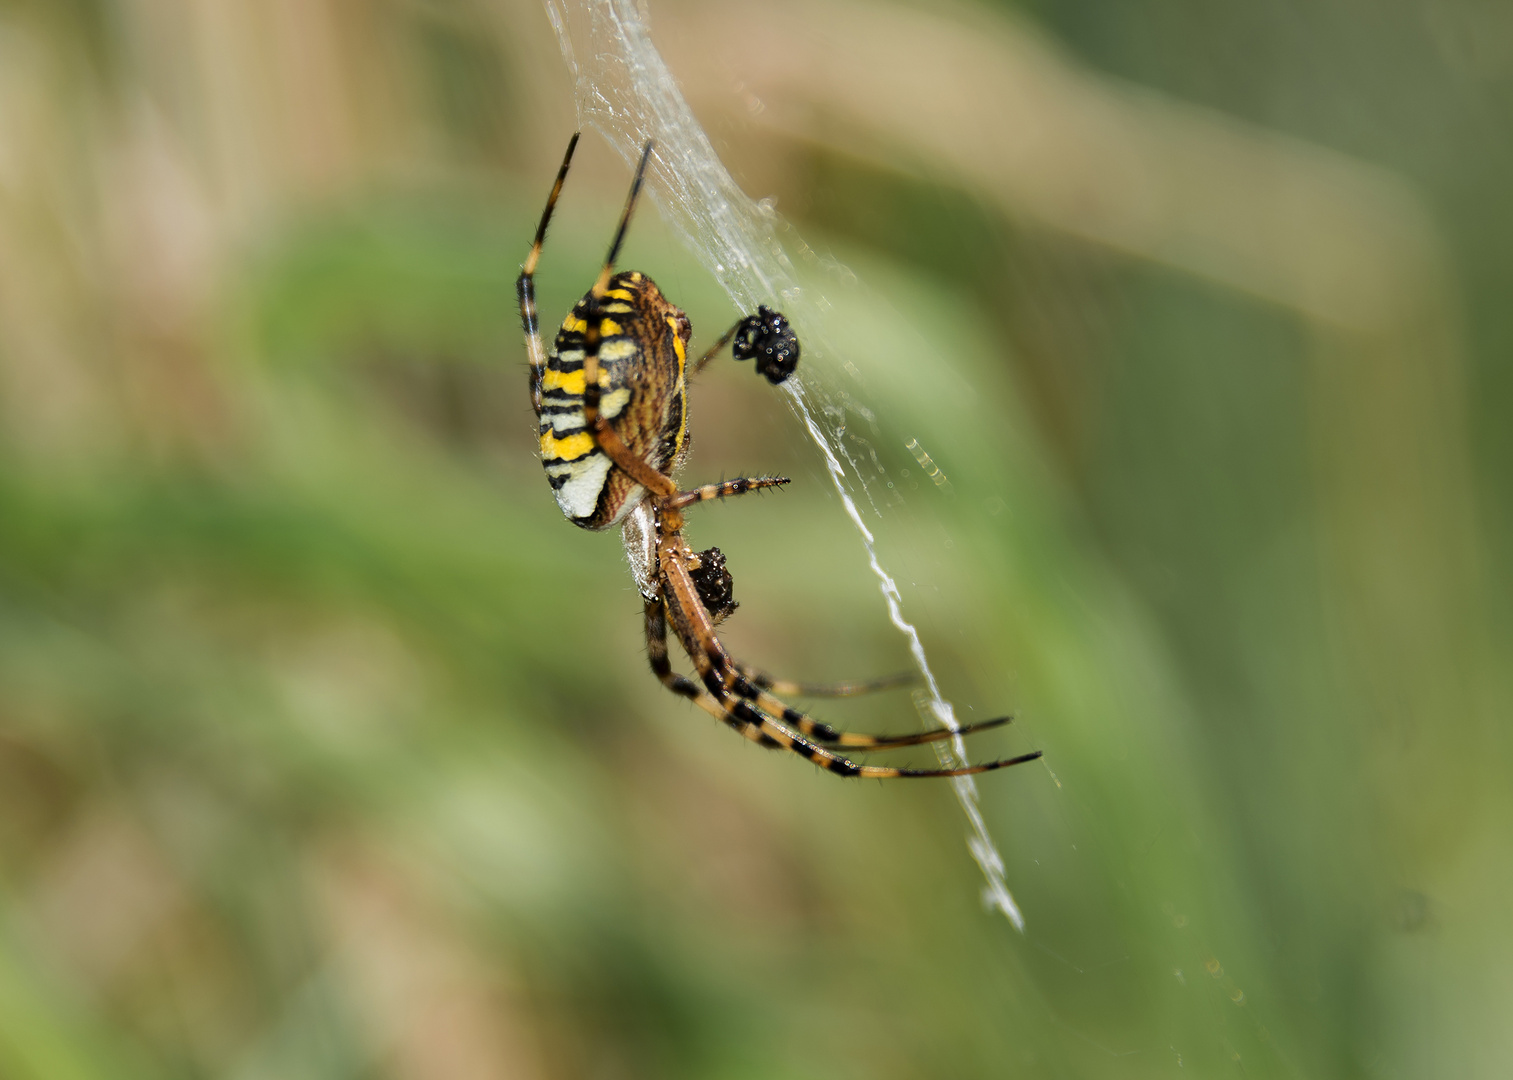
pixel 625 92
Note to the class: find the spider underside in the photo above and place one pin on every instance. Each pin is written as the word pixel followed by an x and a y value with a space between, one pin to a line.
pixel 611 397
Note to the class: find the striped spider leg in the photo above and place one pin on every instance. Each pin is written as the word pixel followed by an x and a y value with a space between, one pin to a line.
pixel 728 696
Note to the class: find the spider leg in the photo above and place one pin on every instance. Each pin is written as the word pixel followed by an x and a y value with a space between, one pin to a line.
pixel 525 285
pixel 763 729
pixel 744 687
pixel 725 489
pixel 695 630
pixel 713 350
pixel 607 271
pixel 656 653
pixel 661 665
pixel 785 688
pixel 824 733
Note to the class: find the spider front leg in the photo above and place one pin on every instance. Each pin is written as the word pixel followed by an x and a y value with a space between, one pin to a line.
pixel 525 285
pixel 725 489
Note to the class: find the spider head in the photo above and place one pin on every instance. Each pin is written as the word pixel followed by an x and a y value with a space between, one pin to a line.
pixel 767 338
pixel 715 585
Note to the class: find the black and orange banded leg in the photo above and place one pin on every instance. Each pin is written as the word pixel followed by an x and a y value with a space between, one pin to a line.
pixel 822 732
pixel 740 684
pixel 696 632
pixel 743 685
pixel 725 489
pixel 608 270
pixel 842 766
pixel 661 666
pixel 656 653
pixel 788 688
pixel 525 284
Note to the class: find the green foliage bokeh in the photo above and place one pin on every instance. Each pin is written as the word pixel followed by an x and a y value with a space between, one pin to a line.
pixel 327 748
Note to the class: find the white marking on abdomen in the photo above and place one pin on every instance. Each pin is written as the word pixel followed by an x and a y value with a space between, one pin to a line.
pixel 580 495
pixel 568 421
pixel 613 403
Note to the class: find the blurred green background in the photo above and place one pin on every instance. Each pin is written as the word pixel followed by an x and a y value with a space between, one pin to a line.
pixel 328 749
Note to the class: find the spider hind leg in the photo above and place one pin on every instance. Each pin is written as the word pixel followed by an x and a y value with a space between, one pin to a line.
pixel 695 631
pixel 820 731
pixel 787 688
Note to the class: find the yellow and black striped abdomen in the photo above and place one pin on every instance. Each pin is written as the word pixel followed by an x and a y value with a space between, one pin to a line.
pixel 642 393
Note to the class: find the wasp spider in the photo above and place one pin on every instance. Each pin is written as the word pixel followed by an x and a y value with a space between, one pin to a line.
pixel 612 400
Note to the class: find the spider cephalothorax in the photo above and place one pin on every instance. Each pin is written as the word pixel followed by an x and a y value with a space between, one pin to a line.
pixel 611 399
